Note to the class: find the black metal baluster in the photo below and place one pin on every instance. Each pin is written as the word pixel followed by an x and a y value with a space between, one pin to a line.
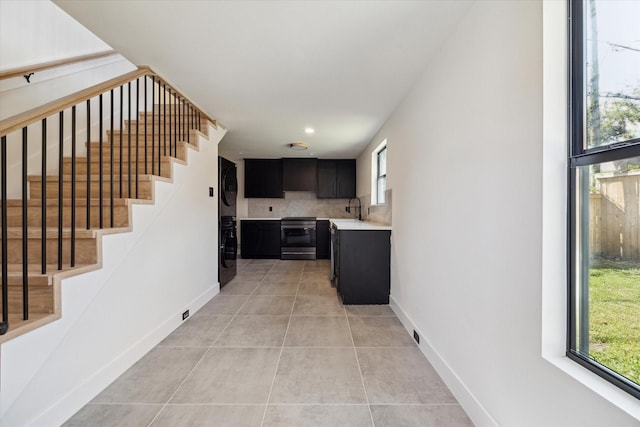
pixel 60 184
pixel 120 133
pixel 73 187
pixel 88 210
pixel 43 199
pixel 153 125
pixel 179 134
pixel 100 165
pixel 163 140
pixel 137 131
pixel 111 166
pixel 164 122
pixel 184 119
pixel 145 126
pixel 129 140
pixel 160 117
pixel 4 326
pixel 171 112
pixel 175 125
pixel 25 231
pixel 190 123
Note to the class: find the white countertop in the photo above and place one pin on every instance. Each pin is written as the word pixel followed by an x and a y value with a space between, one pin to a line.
pixel 353 224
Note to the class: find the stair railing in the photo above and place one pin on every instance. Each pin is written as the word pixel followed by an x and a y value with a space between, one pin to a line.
pixel 164 118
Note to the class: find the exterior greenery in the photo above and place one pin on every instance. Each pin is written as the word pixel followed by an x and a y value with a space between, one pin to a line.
pixel 615 316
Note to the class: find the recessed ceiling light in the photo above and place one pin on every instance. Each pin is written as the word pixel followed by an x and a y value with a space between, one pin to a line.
pixel 309 130
pixel 298 146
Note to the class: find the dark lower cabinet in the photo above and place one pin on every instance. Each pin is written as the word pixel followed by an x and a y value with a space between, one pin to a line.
pixel 323 240
pixel 260 239
pixel 362 266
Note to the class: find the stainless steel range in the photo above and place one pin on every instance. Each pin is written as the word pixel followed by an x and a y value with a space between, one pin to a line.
pixel 298 238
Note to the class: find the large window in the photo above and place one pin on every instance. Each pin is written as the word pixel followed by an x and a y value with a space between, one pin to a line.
pixel 604 190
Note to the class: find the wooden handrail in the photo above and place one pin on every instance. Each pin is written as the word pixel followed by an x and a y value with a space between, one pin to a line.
pixel 21 120
pixel 173 87
pixel 17 72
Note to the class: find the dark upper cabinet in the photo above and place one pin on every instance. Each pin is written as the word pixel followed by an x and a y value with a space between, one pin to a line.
pixel 260 239
pixel 299 174
pixel 263 178
pixel 337 179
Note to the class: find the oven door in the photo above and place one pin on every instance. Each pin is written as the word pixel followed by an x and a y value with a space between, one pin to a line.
pixel 298 236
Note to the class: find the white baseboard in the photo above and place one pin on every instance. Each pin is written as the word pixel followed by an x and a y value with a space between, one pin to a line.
pixel 73 401
pixel 467 400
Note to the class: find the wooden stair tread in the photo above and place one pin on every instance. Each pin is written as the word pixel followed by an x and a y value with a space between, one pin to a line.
pixel 92 178
pixel 95 159
pixel 36 268
pixel 94 202
pixel 18 326
pixel 50 232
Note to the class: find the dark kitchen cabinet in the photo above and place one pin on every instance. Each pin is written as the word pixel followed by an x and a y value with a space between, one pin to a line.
pixel 323 240
pixel 299 174
pixel 263 178
pixel 260 239
pixel 337 179
pixel 362 266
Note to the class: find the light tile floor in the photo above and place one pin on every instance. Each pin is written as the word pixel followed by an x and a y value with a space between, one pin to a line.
pixel 277 348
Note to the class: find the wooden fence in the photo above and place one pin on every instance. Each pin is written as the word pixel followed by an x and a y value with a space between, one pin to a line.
pixel 614 215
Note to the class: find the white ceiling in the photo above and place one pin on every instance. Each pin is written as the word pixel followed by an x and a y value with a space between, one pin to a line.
pixel 268 69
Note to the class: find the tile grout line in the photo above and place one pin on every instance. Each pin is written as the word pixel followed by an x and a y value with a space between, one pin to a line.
pixel 204 354
pixel 275 373
pixel 364 388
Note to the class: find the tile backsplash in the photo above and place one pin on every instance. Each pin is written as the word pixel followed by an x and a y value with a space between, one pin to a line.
pixel 298 203
pixel 305 203
pixel 380 214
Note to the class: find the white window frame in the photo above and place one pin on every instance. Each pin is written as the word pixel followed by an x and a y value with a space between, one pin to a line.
pixel 375 199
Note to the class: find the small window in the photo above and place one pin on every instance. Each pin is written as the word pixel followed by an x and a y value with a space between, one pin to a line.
pixel 604 190
pixel 379 174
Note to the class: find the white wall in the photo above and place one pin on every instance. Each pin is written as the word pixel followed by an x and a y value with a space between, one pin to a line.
pixel 466 166
pixel 33 32
pixel 113 316
pixel 45 33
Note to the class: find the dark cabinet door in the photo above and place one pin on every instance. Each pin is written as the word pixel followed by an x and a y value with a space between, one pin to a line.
pixel 270 245
pixel 299 174
pixel 263 178
pixel 249 239
pixel 326 179
pixel 337 179
pixel 323 240
pixel 260 239
pixel 345 179
pixel 363 267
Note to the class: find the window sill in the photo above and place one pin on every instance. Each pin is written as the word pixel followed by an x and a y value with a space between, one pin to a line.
pixel 606 390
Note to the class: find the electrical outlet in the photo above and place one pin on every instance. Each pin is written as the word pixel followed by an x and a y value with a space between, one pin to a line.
pixel 416 336
pixel 186 314
pixel 270 208
pixel 210 191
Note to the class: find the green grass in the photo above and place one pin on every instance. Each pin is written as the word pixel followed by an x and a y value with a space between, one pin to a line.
pixel 614 316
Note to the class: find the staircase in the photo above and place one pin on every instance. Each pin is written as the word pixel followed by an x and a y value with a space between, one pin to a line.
pixel 55 229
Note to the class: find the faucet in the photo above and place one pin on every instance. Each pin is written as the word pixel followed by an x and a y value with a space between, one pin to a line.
pixel 359 208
